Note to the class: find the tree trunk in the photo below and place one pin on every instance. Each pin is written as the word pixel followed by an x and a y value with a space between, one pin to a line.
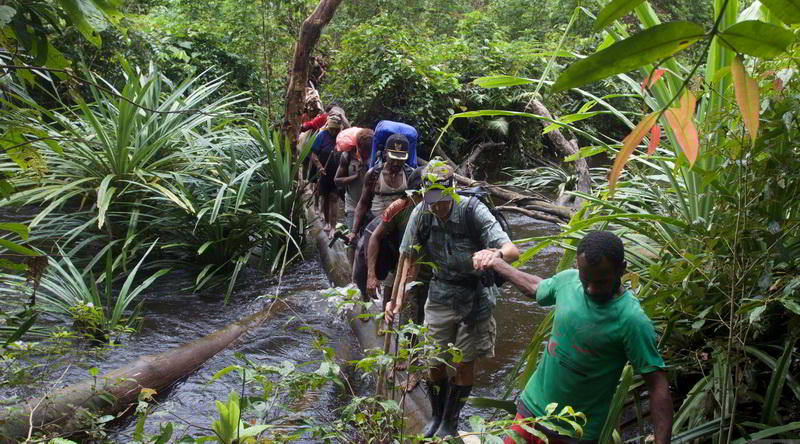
pixel 334 260
pixel 63 411
pixel 515 199
pixel 565 148
pixel 298 74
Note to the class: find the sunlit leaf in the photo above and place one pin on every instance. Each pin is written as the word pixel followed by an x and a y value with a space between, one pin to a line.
pixel 6 14
pixel 628 145
pixel 655 139
pixel 587 151
pixel 747 97
pixel 758 39
pixel 681 121
pixel 652 78
pixel 648 46
pixel 501 81
pixel 613 11
pixel 787 10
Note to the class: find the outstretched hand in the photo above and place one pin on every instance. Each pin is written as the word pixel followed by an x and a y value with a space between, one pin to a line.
pixel 482 260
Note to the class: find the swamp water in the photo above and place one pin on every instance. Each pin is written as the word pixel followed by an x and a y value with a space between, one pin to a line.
pixel 175 316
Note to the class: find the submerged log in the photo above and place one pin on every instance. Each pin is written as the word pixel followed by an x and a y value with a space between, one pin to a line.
pixel 334 260
pixel 64 411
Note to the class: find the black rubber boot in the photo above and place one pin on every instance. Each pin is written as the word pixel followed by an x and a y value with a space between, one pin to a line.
pixel 437 394
pixel 456 398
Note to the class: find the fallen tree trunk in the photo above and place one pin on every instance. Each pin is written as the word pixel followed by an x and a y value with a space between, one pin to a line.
pixel 565 148
pixel 414 403
pixel 66 410
pixel 536 206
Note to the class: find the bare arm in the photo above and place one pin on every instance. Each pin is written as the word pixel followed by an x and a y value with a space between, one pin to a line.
pixel 373 248
pixel 508 252
pixel 660 405
pixel 364 202
pixel 316 161
pixel 528 284
pixel 410 270
pixel 341 179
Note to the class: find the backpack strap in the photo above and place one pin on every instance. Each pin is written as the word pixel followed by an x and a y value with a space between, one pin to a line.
pixel 472 228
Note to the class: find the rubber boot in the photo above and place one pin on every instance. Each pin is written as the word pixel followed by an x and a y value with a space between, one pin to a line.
pixel 456 398
pixel 437 394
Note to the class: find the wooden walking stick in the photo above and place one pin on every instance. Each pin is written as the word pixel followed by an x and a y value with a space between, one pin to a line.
pixel 398 277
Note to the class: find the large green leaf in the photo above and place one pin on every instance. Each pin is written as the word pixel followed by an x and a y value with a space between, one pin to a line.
pixel 787 10
pixel 776 383
pixel 648 46
pixel 613 11
pixel 757 39
pixel 78 18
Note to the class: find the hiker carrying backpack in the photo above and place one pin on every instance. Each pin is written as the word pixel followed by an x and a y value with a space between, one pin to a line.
pixel 457 236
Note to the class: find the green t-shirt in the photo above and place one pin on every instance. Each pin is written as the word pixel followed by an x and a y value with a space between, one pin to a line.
pixel 589 345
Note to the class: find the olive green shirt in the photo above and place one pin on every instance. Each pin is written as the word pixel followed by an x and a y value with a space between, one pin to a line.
pixel 450 248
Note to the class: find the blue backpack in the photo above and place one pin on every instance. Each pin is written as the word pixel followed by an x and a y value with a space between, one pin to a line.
pixel 386 128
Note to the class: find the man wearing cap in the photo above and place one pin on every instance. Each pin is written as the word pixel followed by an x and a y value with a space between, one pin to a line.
pixel 323 157
pixel 384 183
pixel 460 299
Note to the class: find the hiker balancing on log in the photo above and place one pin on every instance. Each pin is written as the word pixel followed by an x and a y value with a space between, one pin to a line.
pixel 598 327
pixel 460 299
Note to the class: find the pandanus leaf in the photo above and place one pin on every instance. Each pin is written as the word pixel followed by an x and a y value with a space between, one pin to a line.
pixel 746 96
pixel 648 46
pixel 680 119
pixel 628 145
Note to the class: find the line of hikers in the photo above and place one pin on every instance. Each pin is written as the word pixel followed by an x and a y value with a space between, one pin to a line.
pixel 404 218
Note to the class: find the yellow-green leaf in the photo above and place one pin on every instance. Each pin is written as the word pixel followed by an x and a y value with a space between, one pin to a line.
pixel 648 46
pixel 613 11
pixel 787 10
pixel 746 97
pixel 628 145
pixel 501 81
pixel 758 39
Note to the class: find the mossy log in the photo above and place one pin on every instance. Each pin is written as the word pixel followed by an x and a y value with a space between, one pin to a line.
pixel 67 410
pixel 334 260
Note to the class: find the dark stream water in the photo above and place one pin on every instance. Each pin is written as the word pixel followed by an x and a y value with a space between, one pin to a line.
pixel 175 316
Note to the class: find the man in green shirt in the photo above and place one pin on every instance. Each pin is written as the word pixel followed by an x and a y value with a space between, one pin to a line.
pixel 598 327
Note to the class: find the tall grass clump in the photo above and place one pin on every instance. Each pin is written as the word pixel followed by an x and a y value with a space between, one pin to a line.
pixel 130 180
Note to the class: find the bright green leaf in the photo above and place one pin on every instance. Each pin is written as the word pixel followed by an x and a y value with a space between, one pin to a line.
pixel 587 151
pixel 757 39
pixel 787 10
pixel 648 46
pixel 501 81
pixel 20 229
pixel 613 11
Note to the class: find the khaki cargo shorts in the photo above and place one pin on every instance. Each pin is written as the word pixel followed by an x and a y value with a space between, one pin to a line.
pixel 445 326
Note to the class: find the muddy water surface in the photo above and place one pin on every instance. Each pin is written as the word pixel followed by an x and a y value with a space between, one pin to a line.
pixel 175 316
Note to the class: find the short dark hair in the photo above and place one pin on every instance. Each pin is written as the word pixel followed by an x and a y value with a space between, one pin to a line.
pixel 597 245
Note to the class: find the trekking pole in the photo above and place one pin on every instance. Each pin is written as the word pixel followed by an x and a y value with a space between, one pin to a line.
pixel 387 337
